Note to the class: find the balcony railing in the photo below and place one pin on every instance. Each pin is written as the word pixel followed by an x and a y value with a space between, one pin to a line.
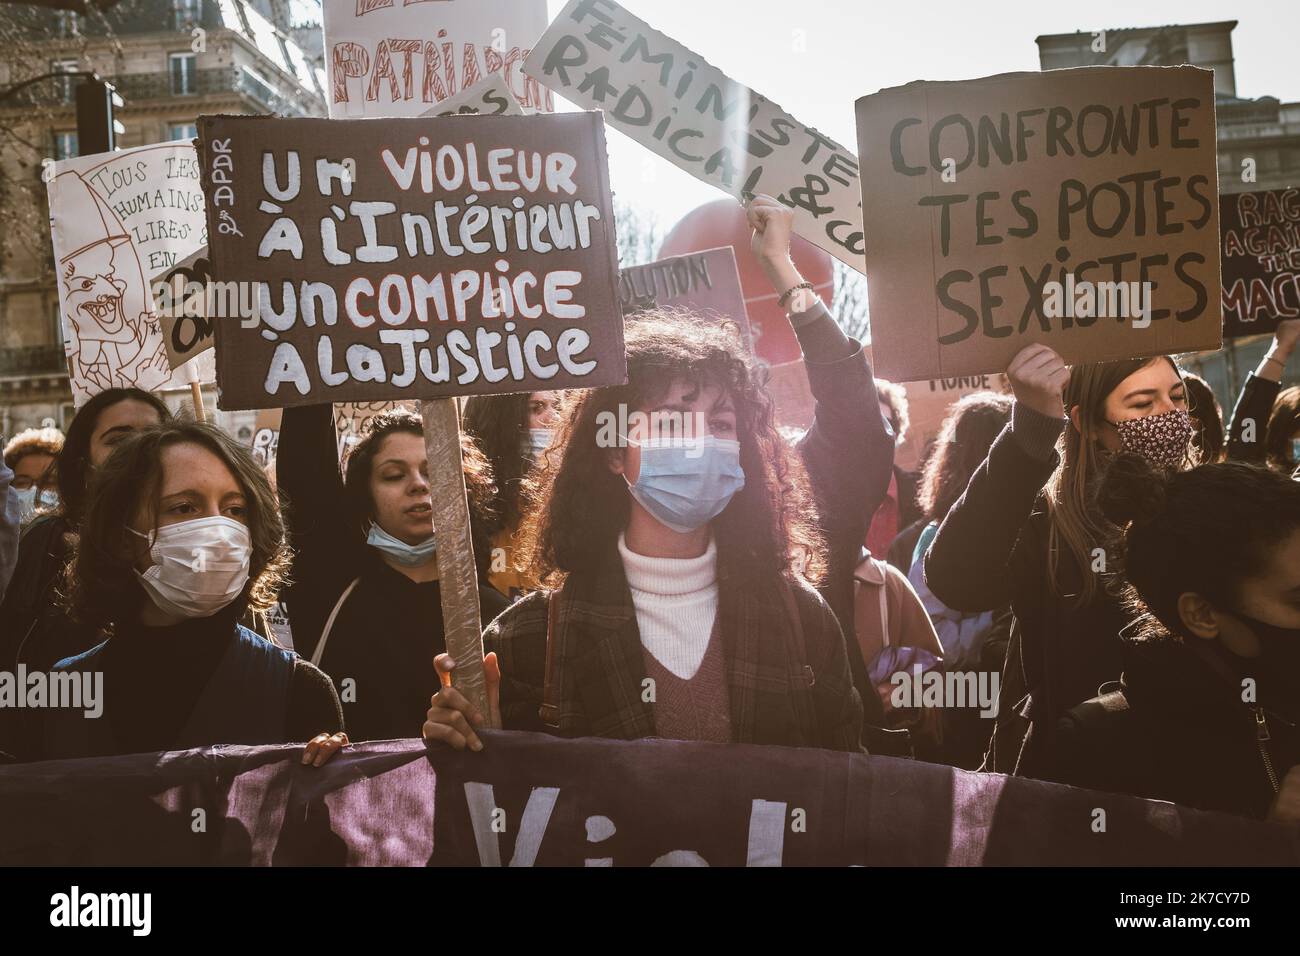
pixel 138 87
pixel 32 360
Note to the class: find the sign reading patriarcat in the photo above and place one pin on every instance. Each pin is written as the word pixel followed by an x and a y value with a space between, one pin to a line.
pixel 412 258
pixel 1261 259
pixel 390 58
pixel 1076 208
pixel 673 102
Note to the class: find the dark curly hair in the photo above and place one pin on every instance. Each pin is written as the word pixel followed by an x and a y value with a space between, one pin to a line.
pixel 74 461
pixel 961 446
pixel 103 590
pixel 1203 531
pixel 1283 422
pixel 1207 416
pixel 499 423
pixel 579 507
pixel 479 485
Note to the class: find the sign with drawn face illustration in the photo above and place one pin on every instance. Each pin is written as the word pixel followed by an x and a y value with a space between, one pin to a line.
pixel 116 219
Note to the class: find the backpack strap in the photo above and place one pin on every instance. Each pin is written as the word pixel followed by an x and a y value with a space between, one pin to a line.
pixel 549 712
pixel 329 624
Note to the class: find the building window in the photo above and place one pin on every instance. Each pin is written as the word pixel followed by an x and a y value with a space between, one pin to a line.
pixel 67 24
pixel 186 13
pixel 185 131
pixel 56 324
pixel 65 144
pixel 184 73
pixel 66 86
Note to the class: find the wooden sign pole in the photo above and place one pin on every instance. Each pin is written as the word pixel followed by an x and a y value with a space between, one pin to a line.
pixel 457 575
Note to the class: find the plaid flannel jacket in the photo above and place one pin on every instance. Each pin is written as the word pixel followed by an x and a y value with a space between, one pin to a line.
pixel 782 691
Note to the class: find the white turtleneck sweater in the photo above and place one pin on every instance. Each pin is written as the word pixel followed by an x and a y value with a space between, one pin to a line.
pixel 676 601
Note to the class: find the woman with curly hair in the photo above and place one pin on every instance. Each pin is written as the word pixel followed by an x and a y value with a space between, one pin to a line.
pixel 181 534
pixel 365 603
pixel 513 431
pixel 676 535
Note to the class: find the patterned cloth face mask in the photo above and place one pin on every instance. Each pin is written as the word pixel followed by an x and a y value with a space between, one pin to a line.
pixel 1161 439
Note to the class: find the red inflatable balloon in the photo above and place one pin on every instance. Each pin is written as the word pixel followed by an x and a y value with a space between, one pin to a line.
pixel 722 223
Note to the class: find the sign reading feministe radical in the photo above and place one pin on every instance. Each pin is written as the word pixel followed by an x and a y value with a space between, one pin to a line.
pixel 670 100
pixel 705 282
pixel 1076 208
pixel 387 58
pixel 116 221
pixel 412 258
pixel 1261 259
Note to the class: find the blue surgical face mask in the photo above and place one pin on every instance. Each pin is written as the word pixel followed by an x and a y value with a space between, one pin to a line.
pixel 1295 451
pixel 26 503
pixel 536 441
pixel 407 555
pixel 29 501
pixel 686 484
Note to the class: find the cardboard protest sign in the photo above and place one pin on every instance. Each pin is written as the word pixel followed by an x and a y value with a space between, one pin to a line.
pixel 491 97
pixel 351 418
pixel 180 295
pixel 266 436
pixel 705 282
pixel 671 101
pixel 929 403
pixel 117 220
pixel 409 259
pixel 1261 259
pixel 1077 208
pixel 386 58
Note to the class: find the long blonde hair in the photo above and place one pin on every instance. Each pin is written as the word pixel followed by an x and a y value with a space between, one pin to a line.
pixel 1077 527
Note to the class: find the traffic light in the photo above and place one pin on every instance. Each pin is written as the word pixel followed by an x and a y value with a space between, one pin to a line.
pixel 97 130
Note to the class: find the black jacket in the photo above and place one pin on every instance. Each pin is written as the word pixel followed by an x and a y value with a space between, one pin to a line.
pixel 992 550
pixel 381 648
pixel 1254 405
pixel 1179 731
pixel 849 455
pixel 34 629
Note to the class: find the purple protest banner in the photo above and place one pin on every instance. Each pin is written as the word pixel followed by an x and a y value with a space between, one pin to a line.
pixel 589 802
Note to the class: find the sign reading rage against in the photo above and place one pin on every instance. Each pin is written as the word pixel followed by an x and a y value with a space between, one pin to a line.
pixel 412 258
pixel 1261 260
pixel 1076 208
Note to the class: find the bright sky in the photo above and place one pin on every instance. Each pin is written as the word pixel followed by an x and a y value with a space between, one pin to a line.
pixel 855 47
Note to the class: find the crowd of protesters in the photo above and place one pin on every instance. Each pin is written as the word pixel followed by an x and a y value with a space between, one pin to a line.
pixel 1124 565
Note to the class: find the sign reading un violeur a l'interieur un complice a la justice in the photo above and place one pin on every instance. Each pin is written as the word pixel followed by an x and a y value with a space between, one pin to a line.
pixel 412 258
